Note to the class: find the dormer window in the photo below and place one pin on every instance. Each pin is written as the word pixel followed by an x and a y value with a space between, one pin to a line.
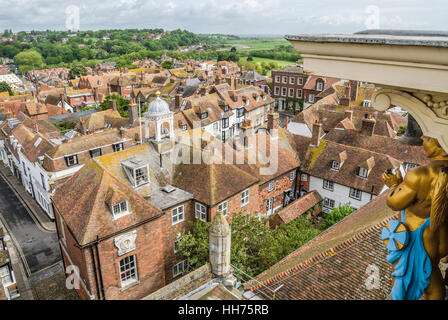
pixel 71 160
pixel 319 86
pixel 226 108
pixel 204 115
pixel 137 171
pixel 120 209
pixel 183 127
pixel 335 165
pixel 363 172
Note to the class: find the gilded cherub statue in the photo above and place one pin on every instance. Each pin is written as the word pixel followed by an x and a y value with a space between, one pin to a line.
pixel 418 242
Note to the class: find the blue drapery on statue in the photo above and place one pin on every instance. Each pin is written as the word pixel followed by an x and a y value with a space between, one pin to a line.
pixel 413 270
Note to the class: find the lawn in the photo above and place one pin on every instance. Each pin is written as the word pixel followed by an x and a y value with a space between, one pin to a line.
pixel 247 45
pixel 281 63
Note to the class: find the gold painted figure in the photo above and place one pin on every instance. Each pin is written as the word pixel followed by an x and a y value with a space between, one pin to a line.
pixel 423 194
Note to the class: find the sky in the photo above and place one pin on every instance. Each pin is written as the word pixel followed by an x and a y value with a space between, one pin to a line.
pixel 240 17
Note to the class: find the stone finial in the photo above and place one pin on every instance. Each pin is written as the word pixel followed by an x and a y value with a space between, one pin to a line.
pixel 220 241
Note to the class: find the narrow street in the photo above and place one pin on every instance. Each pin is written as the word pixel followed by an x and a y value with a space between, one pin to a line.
pixel 38 248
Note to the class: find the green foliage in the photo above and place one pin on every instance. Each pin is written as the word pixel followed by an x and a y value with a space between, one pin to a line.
pixel 250 58
pixel 65 126
pixel 29 60
pixel 122 104
pixel 77 70
pixel 167 64
pixel 255 246
pixel 401 130
pixel 336 215
pixel 5 87
pixel 228 56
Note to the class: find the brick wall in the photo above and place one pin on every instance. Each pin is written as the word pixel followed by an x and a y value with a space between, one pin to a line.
pixel 281 184
pixel 234 204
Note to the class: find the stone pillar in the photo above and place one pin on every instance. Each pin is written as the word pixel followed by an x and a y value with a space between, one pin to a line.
pixel 220 241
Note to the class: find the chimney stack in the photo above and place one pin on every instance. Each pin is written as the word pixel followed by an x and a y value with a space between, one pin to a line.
pixel 349 114
pixel 286 123
pixel 354 86
pixel 113 104
pixel 219 243
pixel 83 126
pixel 133 114
pixel 246 129
pixel 178 100
pixel 273 119
pixel 317 133
pixel 368 125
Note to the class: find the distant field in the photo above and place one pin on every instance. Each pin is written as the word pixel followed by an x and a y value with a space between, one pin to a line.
pixel 247 45
pixel 281 63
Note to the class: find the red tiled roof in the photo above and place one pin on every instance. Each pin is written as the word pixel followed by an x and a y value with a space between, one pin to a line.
pixel 299 207
pixel 334 265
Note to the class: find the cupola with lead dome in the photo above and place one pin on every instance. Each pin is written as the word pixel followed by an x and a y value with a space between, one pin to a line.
pixel 159 124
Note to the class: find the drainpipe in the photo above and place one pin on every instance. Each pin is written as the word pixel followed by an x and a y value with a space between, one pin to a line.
pixel 94 272
pixel 99 267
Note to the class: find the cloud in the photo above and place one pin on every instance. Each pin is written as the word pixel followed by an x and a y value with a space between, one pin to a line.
pixel 231 16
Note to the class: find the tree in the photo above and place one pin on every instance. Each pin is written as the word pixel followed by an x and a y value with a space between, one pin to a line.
pixel 77 70
pixel 233 49
pixel 250 58
pixel 401 130
pixel 122 104
pixel 29 60
pixel 167 64
pixel 5 87
pixel 336 215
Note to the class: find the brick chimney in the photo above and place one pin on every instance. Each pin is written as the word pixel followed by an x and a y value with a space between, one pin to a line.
pixel 113 104
pixel 354 86
pixel 316 134
pixel 349 114
pixel 273 120
pixel 246 131
pixel 83 126
pixel 286 123
pixel 368 125
pixel 133 114
pixel 178 100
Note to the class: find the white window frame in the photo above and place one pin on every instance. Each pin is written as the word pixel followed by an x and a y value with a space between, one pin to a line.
pixel 177 215
pixel 276 91
pixel 132 270
pixel 271 186
pixel 328 185
pixel 120 209
pixel 71 160
pixel 363 172
pixel 284 79
pixel 180 267
pixel 224 208
pixel 176 246
pixel 144 175
pixel 299 81
pixel 329 203
pixel 200 211
pixel 292 80
pixel 292 175
pixel 284 91
pixel 355 194
pixel 299 93
pixel 5 276
pixel 334 166
pixel 311 98
pixel 291 92
pixel 245 197
pixel 319 86
pixel 304 177
pixel 118 146
pixel 277 79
